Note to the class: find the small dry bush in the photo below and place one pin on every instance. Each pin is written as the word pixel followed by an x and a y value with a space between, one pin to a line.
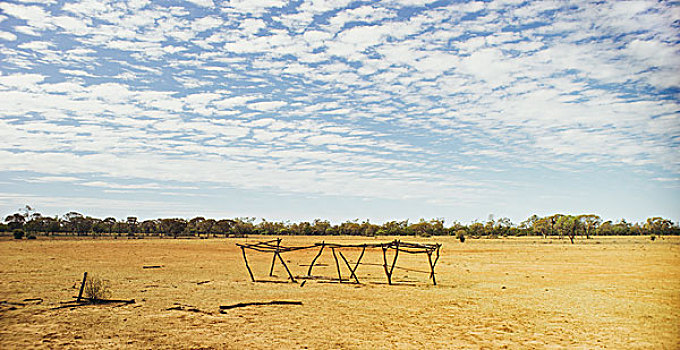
pixel 97 288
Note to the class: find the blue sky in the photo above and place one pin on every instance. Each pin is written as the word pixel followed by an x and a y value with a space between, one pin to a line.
pixel 340 110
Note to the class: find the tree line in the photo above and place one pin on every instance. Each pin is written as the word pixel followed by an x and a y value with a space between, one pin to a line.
pixel 31 223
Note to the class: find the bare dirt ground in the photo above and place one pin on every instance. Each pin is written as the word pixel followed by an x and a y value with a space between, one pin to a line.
pixel 520 293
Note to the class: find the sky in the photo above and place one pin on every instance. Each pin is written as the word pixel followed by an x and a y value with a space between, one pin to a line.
pixel 340 110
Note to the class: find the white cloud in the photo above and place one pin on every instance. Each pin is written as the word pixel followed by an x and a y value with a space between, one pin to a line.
pixel 21 81
pixel 35 16
pixel 204 3
pixel 72 25
pixel 36 45
pixel 267 105
pixel 7 36
pixel 254 6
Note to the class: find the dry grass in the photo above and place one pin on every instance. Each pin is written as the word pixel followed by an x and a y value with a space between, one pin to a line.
pixel 509 293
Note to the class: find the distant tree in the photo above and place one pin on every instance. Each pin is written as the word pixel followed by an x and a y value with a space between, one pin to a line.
pixel 15 221
pixel 149 227
pixel 74 222
pixel 173 227
pixel 589 223
pixel 44 224
pixel 567 225
pixel 109 222
pixel 131 224
pixel 241 227
pixel 527 226
pixel 194 226
pixel 207 227
pixel 224 226
pixel 503 226
pixel 658 226
pixel 320 227
pixel 476 229
pixel 621 228
pixel 543 226
pixel 554 220
pixel 349 228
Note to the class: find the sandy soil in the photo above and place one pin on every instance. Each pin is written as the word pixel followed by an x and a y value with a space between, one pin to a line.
pixel 521 293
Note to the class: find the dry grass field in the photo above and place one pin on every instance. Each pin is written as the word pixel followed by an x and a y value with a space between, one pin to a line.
pixel 520 293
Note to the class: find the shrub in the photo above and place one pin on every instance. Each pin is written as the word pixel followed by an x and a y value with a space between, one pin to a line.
pixel 18 233
pixel 31 237
pixel 96 288
pixel 461 236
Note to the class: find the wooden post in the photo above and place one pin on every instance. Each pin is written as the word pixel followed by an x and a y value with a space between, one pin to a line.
pixel 394 262
pixel 387 272
pixel 351 272
pixel 286 266
pixel 434 264
pixel 243 250
pixel 309 272
pixel 82 287
pixel 337 265
pixel 271 270
pixel 429 258
pixel 359 260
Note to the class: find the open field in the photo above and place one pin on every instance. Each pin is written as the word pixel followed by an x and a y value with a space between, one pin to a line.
pixel 517 293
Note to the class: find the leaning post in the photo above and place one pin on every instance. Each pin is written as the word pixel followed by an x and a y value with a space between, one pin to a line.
pixel 337 265
pixel 309 272
pixel 243 250
pixel 387 272
pixel 429 258
pixel 82 287
pixel 271 270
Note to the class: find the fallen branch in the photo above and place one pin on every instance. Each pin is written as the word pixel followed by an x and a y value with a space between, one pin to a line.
pixel 260 303
pixel 152 267
pixel 189 309
pixel 39 300
pixel 110 301
pixel 12 303
pixel 202 282
pixel 88 301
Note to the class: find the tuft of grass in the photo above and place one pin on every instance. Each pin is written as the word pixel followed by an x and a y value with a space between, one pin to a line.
pixel 96 288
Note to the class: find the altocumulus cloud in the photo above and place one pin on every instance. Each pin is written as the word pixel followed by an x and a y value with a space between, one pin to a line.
pixel 448 108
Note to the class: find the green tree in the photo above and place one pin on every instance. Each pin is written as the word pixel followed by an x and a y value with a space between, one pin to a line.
pixel 658 226
pixel 15 221
pixel 194 226
pixel 589 223
pixel 567 225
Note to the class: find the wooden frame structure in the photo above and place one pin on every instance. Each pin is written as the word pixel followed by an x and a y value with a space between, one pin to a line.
pixel 275 247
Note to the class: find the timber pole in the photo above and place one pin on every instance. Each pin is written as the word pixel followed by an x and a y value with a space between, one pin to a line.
pixel 309 272
pixel 82 287
pixel 271 270
pixel 387 272
pixel 394 262
pixel 359 259
pixel 349 267
pixel 429 259
pixel 286 266
pixel 252 278
pixel 337 265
